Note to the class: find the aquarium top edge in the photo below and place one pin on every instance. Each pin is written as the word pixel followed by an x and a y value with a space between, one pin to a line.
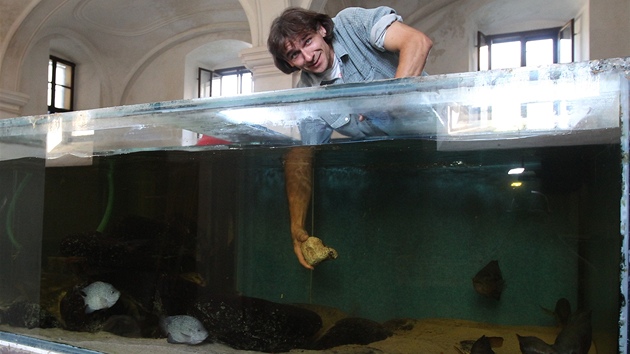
pixel 36 345
pixel 430 83
pixel 495 105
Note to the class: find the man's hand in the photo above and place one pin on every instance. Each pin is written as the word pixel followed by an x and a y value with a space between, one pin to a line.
pixel 299 237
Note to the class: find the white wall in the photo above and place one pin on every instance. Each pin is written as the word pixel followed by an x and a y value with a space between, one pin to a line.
pixel 609 29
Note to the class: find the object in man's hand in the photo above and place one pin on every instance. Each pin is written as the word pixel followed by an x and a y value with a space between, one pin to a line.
pixel 315 251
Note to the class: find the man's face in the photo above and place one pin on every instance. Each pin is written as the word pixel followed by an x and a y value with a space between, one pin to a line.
pixel 310 52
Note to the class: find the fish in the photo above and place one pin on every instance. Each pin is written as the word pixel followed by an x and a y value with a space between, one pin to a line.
pixel 99 295
pixel 562 311
pixel 183 329
pixel 534 345
pixel 576 336
pixel 483 345
pixel 194 278
pixel 489 281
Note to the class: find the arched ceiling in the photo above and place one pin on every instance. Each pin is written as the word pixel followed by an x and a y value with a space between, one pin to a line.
pixel 135 27
pixel 124 32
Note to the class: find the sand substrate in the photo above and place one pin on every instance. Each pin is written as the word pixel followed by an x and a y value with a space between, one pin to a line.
pixel 440 336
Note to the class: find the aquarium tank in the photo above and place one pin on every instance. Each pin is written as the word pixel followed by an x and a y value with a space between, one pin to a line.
pixel 494 220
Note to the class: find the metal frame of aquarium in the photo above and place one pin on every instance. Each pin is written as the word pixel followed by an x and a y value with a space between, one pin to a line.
pixel 565 104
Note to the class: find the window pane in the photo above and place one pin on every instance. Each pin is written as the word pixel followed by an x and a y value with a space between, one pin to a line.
pixel 539 52
pixel 50 72
pixel 205 89
pixel 229 85
pixel 49 100
pixel 205 79
pixel 506 55
pixel 62 97
pixel 64 75
pixel 216 86
pixel 566 51
pixel 483 58
pixel 247 83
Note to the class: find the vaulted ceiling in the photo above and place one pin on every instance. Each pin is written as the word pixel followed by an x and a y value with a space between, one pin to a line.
pixel 133 28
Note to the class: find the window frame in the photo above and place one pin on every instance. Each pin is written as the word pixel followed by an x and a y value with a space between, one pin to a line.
pixel 53 84
pixel 201 74
pixel 219 74
pixel 553 33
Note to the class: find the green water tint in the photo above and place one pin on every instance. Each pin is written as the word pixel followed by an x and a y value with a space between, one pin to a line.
pixel 413 225
pixel 11 211
pixel 110 198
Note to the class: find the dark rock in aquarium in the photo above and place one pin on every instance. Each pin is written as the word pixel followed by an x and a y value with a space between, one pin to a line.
pixel 254 324
pixel 123 325
pixel 178 293
pixel 97 249
pixel 399 324
pixel 352 330
pixel 135 242
pixel 489 281
pixel 28 315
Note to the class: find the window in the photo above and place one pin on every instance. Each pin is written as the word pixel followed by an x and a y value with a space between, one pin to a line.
pixel 60 85
pixel 530 48
pixel 224 82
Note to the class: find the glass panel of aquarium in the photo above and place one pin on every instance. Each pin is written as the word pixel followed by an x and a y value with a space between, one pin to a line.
pixel 492 215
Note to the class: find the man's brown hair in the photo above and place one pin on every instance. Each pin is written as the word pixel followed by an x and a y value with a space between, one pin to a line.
pixel 291 25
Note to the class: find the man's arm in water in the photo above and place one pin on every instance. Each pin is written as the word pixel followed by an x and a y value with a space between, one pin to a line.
pixel 298 174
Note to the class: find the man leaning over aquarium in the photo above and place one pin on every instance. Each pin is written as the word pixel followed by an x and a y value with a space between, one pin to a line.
pixel 358 45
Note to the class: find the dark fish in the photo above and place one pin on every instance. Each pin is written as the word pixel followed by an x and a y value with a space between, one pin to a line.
pixel 99 295
pixel 183 330
pixel 561 312
pixel 576 336
pixel 534 345
pixel 489 281
pixel 482 346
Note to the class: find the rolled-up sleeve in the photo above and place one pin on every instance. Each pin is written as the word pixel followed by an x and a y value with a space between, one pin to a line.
pixel 377 34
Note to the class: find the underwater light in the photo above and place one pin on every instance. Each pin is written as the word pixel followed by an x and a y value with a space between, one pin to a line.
pixel 516 171
pixel 516 184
